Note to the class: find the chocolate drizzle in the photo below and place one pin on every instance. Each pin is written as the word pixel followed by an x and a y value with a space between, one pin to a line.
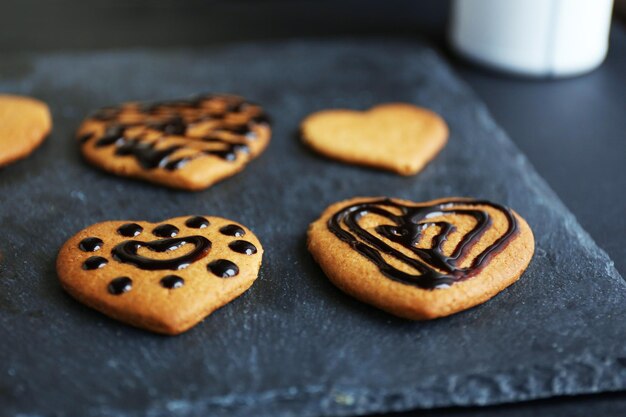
pixel 434 268
pixel 126 252
pixel 217 125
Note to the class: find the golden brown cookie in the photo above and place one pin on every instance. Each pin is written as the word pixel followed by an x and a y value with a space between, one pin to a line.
pixel 189 144
pixel 164 277
pixel 24 124
pixel 421 260
pixel 397 137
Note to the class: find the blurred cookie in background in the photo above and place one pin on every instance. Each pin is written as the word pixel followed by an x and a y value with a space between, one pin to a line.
pixel 24 124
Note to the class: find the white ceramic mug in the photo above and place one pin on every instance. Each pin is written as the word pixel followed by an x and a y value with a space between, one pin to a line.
pixel 532 37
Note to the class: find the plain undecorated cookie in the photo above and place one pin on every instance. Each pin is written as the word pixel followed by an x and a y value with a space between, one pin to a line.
pixel 24 124
pixel 164 277
pixel 421 260
pixel 188 144
pixel 397 137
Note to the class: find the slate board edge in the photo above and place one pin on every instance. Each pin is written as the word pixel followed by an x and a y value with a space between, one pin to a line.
pixel 431 393
pixel 496 389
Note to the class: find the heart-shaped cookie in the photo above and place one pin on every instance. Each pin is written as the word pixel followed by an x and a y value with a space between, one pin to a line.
pixel 164 277
pixel 398 137
pixel 24 124
pixel 421 260
pixel 189 144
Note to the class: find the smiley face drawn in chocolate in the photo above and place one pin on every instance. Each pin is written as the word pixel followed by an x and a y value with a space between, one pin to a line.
pixel 127 251
pixel 131 270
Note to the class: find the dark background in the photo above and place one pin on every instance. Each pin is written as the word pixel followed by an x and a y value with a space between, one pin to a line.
pixel 573 130
pixel 87 24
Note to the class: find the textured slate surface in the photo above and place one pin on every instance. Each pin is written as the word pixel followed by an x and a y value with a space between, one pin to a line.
pixel 292 345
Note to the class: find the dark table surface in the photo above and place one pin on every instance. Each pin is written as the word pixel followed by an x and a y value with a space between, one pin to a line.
pixel 572 130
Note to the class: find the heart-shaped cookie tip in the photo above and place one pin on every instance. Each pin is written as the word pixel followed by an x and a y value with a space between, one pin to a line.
pixel 421 260
pixel 164 277
pixel 397 137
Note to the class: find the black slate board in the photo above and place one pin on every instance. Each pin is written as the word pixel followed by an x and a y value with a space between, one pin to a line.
pixel 292 345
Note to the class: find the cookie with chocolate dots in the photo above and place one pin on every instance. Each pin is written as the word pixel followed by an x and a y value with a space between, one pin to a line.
pixel 189 144
pixel 164 277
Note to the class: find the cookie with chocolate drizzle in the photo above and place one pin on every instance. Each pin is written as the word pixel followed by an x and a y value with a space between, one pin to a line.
pixel 189 144
pixel 162 277
pixel 421 260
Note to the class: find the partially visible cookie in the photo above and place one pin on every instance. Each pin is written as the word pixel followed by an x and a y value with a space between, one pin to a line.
pixel 164 277
pixel 421 260
pixel 24 124
pixel 189 144
pixel 397 137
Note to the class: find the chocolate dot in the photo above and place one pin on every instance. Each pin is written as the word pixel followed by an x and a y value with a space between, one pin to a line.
pixel 174 126
pixel 197 222
pixel 238 129
pixel 90 244
pixel 165 230
pixel 130 229
pixel 172 282
pixel 232 230
pixel 235 107
pixel 94 262
pixel 242 246
pixel 120 285
pixel 113 134
pixel 84 138
pixel 261 119
pixel 223 268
